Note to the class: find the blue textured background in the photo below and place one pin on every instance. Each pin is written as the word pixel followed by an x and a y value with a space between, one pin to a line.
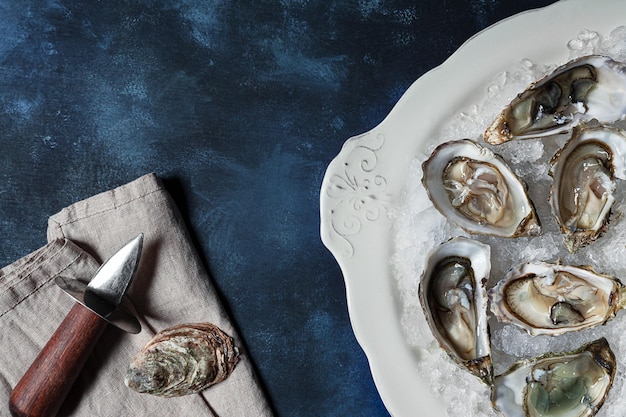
pixel 239 106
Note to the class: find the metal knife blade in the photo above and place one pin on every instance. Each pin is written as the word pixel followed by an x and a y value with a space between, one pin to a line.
pixel 103 294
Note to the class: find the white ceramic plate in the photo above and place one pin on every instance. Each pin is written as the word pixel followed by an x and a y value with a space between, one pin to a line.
pixel 368 176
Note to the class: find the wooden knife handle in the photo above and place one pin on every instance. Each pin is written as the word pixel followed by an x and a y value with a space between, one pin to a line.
pixel 45 385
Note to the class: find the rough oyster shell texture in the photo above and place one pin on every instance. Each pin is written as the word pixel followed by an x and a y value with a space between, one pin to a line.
pixel 182 360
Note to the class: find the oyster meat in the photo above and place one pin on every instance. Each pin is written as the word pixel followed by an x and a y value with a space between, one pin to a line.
pixel 553 299
pixel 453 297
pixel 474 188
pixel 591 87
pixel 572 384
pixel 182 360
pixel 584 173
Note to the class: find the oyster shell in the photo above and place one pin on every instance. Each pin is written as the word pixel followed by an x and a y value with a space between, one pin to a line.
pixel 584 173
pixel 591 87
pixel 570 384
pixel 475 189
pixel 453 297
pixel 182 360
pixel 553 299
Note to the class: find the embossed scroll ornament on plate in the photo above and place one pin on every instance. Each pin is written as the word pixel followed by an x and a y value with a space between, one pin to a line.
pixel 357 190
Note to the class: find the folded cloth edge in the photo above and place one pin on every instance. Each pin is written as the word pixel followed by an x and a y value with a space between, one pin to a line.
pixel 29 274
pixel 104 201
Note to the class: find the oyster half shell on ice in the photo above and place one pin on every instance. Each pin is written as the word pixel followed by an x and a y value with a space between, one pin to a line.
pixel 584 173
pixel 591 87
pixel 552 299
pixel 182 360
pixel 474 188
pixel 573 384
pixel 453 297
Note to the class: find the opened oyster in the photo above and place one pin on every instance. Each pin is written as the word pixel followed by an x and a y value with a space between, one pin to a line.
pixel 452 294
pixel 591 87
pixel 553 299
pixel 474 188
pixel 571 384
pixel 183 360
pixel 584 173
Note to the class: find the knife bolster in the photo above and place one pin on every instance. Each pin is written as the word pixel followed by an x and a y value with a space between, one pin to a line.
pixel 44 386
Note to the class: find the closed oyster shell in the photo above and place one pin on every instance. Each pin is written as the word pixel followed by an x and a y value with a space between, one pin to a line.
pixel 182 360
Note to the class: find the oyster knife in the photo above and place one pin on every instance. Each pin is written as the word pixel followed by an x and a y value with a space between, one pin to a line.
pixel 44 386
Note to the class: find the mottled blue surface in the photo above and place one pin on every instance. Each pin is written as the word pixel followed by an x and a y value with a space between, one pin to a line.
pixel 239 106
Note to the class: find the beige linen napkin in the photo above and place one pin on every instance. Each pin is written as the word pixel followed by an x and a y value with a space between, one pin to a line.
pixel 171 287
